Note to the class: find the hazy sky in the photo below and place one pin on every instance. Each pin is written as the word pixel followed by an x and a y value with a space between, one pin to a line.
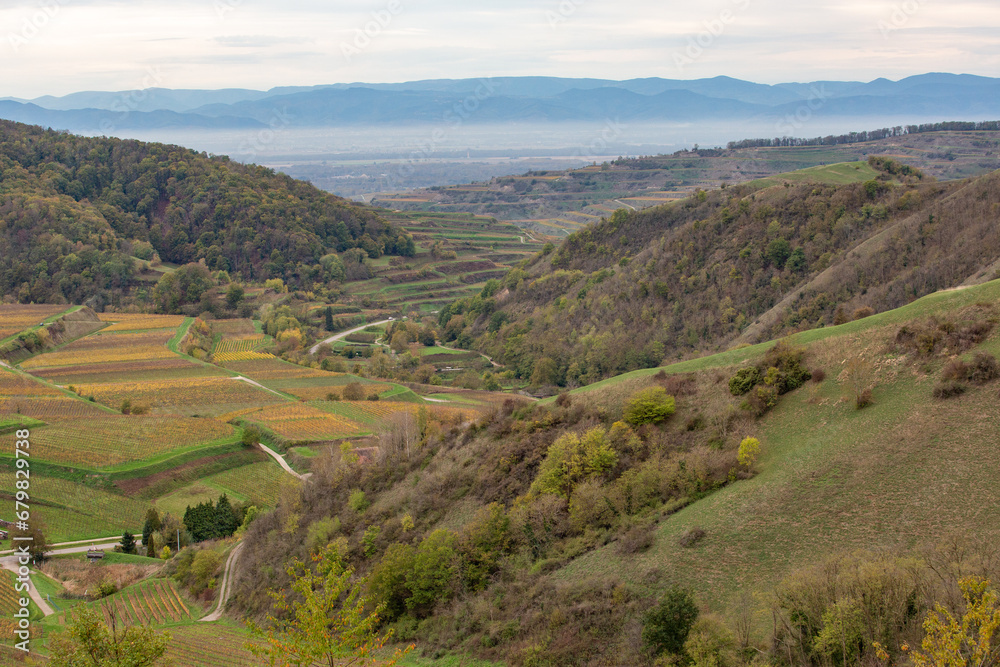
pixel 62 46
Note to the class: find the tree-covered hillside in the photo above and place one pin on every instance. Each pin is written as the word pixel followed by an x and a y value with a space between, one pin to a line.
pixel 76 212
pixel 741 264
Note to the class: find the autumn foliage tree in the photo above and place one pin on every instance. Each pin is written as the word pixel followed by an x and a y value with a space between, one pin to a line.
pixel 969 640
pixel 89 642
pixel 326 622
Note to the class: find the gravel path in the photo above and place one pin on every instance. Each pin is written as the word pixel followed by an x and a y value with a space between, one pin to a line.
pixel 226 588
pixel 344 334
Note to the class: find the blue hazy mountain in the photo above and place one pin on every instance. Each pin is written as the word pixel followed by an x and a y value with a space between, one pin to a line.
pixel 511 100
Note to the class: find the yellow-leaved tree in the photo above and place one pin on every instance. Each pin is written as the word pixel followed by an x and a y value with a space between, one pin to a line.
pixel 327 624
pixel 969 641
pixel 748 452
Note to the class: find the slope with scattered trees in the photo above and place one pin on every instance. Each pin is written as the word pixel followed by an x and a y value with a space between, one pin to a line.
pixel 737 265
pixel 730 510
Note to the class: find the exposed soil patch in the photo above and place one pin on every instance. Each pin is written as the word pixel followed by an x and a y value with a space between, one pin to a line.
pixel 181 473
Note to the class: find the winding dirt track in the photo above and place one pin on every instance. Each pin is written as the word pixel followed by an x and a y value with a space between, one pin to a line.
pixel 226 587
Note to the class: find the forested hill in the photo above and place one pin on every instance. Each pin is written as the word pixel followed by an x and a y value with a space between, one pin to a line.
pixel 76 212
pixel 741 264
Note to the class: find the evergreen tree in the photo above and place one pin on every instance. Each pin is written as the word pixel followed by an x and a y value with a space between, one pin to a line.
pixel 128 543
pixel 152 525
pixel 200 521
pixel 329 318
pixel 226 521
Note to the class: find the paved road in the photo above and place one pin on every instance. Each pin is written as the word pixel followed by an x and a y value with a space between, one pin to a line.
pixel 619 201
pixel 344 334
pixel 226 588
pixel 284 464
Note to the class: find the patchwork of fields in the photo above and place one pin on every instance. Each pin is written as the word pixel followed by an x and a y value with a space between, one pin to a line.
pixel 121 420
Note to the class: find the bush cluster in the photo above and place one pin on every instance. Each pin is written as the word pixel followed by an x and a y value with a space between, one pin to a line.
pixel 778 372
pixel 957 373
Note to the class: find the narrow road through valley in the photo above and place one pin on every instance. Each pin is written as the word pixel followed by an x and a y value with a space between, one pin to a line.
pixel 344 334
pixel 227 584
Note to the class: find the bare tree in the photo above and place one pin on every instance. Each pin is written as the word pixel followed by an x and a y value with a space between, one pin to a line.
pixel 399 435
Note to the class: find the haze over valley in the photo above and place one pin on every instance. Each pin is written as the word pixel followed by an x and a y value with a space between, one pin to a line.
pixel 523 334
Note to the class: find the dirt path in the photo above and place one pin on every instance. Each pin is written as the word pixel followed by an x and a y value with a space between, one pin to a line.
pixel 240 378
pixel 453 349
pixel 226 588
pixel 284 464
pixel 10 563
pixel 344 334
pixel 619 201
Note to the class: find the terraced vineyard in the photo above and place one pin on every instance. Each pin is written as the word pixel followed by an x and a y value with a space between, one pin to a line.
pixel 299 421
pixel 15 318
pixel 49 408
pixel 151 602
pixel 210 645
pixel 239 344
pixel 93 461
pixel 129 371
pixel 258 483
pixel 109 440
pixel 273 369
pixel 8 595
pixel 182 396
pixel 104 348
pixel 73 511
pixel 138 322
pixel 457 254
pixel 247 355
pixel 14 384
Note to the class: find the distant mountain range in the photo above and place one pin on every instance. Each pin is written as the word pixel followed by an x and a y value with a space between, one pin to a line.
pixel 511 100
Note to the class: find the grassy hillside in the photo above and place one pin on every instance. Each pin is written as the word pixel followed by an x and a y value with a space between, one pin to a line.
pixel 897 475
pixel 569 577
pixel 734 266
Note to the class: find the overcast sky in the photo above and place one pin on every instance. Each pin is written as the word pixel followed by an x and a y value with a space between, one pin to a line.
pixel 62 46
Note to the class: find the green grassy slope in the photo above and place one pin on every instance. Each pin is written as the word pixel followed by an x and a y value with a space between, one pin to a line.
pixel 903 473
